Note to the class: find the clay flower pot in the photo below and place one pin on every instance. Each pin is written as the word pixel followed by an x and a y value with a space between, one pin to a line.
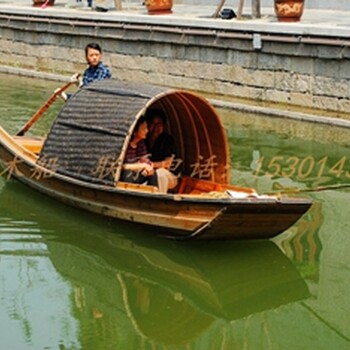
pixel 289 10
pixel 43 2
pixel 159 7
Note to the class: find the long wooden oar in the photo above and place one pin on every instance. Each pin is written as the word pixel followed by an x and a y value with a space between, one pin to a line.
pixel 44 107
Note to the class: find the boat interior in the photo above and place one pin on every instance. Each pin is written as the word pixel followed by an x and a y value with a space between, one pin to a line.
pixel 187 184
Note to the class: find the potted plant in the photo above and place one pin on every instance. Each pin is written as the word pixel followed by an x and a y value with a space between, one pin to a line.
pixel 158 7
pixel 43 3
pixel 289 10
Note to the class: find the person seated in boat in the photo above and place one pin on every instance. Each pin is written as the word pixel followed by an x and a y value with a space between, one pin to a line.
pixel 137 167
pixel 162 149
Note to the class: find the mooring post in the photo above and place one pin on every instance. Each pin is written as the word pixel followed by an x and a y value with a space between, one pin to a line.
pixel 118 5
pixel 256 12
pixel 240 9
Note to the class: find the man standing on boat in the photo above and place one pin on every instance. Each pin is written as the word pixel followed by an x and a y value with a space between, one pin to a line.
pixel 96 69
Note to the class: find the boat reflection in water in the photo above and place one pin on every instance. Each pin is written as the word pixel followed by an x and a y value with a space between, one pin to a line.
pixel 129 290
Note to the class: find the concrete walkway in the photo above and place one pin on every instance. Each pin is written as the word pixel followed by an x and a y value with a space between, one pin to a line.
pixel 326 23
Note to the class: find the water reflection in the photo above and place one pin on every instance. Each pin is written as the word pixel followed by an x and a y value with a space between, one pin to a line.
pixel 139 288
pixel 302 243
pixel 34 296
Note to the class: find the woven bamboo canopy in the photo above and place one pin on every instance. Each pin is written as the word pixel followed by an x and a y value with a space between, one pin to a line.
pixel 90 135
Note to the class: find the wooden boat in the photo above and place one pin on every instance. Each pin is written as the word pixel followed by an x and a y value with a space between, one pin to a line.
pixel 80 162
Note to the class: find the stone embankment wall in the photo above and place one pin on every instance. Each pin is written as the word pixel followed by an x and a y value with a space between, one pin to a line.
pixel 312 71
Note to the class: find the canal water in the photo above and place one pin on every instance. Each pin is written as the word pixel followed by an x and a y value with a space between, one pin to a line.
pixel 70 280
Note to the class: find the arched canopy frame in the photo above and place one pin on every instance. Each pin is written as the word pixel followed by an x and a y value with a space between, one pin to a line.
pixel 90 135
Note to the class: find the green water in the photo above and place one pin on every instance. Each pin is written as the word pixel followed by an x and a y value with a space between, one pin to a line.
pixel 70 280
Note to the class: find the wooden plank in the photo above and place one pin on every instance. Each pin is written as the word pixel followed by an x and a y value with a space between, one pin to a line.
pixel 32 144
pixel 137 187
